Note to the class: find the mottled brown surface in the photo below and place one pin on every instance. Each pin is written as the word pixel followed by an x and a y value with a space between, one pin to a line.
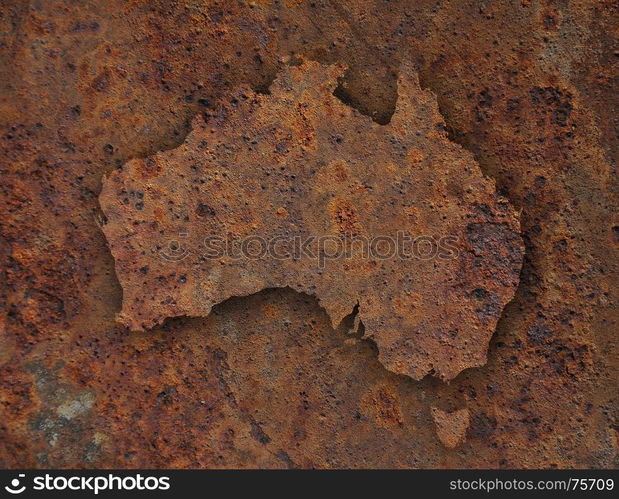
pixel 451 426
pixel 298 163
pixel 526 87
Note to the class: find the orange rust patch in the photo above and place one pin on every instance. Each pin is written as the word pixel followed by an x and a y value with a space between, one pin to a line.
pixel 384 406
pixel 344 216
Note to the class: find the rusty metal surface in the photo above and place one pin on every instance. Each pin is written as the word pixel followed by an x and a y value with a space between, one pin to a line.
pixel 451 426
pixel 393 219
pixel 265 380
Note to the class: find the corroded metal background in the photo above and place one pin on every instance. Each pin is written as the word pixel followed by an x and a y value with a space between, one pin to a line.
pixel 526 87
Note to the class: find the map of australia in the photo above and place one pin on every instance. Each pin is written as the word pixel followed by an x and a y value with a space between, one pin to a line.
pixel 296 189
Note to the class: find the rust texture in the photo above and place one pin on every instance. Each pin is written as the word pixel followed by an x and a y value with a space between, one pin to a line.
pixel 451 426
pixel 298 163
pixel 88 88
